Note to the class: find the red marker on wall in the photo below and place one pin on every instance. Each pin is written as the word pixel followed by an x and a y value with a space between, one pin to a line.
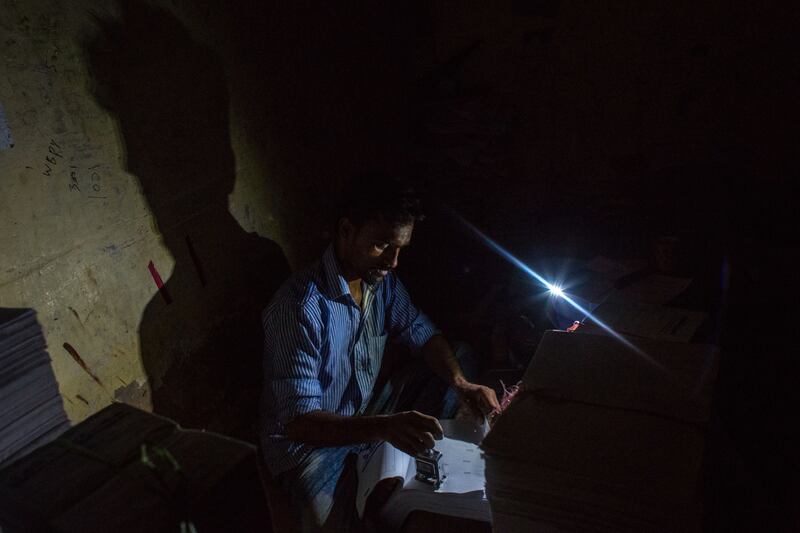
pixel 159 283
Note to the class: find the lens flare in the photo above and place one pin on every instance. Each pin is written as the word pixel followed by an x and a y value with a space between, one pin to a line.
pixel 555 290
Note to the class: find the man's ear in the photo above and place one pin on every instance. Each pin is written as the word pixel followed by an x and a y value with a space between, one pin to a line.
pixel 344 228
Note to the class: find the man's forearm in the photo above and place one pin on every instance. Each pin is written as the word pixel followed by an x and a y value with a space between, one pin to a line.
pixel 322 428
pixel 439 357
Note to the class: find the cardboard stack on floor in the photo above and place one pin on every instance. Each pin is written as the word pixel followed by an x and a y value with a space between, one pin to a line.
pixel 32 413
pixel 604 438
pixel 123 469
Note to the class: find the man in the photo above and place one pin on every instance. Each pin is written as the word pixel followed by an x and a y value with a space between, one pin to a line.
pixel 325 333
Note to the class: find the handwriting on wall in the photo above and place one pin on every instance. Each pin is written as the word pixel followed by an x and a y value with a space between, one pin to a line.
pixel 86 180
pixel 54 153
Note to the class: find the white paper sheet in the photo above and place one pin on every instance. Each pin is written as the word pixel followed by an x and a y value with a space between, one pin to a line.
pixel 462 463
pixel 380 461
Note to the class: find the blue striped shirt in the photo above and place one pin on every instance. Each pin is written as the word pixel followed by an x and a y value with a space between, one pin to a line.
pixel 314 336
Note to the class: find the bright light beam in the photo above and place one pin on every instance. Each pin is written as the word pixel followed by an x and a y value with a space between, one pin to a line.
pixel 557 291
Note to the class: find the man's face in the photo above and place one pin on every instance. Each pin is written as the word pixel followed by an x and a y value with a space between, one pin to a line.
pixel 370 251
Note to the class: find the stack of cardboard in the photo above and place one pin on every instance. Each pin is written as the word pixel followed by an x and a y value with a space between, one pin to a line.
pixel 32 412
pixel 604 438
pixel 650 321
pixel 123 470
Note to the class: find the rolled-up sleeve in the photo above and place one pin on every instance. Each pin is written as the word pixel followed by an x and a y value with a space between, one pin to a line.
pixel 407 324
pixel 292 340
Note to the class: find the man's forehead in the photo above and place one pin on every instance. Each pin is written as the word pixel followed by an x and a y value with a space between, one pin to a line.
pixel 390 231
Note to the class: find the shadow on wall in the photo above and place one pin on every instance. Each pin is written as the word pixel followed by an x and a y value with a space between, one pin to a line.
pixel 201 337
pixel 327 89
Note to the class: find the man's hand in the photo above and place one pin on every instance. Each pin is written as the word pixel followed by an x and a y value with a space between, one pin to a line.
pixel 481 400
pixel 440 358
pixel 412 432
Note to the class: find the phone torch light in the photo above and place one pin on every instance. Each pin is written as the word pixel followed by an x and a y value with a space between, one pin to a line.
pixel 555 290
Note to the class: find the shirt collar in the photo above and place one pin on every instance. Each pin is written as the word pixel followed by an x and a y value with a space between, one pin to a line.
pixel 336 285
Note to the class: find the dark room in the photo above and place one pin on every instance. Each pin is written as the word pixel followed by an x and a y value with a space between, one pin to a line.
pixel 513 266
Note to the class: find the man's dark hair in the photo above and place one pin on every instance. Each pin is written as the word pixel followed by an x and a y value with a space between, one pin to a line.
pixel 379 196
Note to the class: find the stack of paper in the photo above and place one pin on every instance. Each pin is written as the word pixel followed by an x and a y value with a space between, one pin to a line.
pixel 461 494
pixel 605 438
pixel 32 412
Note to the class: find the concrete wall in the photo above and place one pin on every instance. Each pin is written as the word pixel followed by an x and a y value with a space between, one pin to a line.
pixel 126 149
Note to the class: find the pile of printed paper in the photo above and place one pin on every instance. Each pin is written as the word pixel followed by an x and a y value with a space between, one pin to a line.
pixel 608 435
pixel 32 413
